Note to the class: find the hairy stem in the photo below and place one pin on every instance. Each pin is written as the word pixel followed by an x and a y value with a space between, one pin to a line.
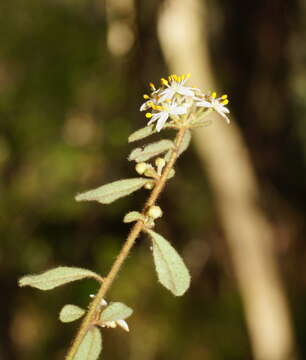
pixel 130 240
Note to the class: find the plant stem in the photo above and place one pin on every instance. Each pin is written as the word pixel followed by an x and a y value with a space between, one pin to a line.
pixel 135 231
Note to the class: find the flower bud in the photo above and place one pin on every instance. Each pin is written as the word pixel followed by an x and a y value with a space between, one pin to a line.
pixel 150 172
pixel 155 212
pixel 160 162
pixel 149 185
pixel 141 167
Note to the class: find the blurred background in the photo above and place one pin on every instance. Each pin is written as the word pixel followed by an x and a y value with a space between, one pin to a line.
pixel 72 75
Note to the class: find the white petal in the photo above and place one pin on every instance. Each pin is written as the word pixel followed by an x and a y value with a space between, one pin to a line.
pixel 161 121
pixel 204 103
pixel 225 117
pixel 123 324
pixel 225 110
pixel 166 94
pixel 155 117
pixel 144 106
pixel 221 108
pixel 185 91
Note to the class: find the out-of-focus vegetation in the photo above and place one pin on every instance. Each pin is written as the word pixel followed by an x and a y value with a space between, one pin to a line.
pixel 67 105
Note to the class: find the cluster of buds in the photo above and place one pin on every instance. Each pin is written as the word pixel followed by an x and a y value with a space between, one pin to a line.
pixel 144 168
pixel 154 212
pixel 171 103
pixel 154 172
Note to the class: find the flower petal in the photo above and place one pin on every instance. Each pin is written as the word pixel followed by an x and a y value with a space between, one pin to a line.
pixel 204 103
pixel 162 120
pixel 123 324
pixel 144 106
pixel 166 94
pixel 182 90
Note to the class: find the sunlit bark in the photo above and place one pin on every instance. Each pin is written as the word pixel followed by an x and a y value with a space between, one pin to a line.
pixel 225 159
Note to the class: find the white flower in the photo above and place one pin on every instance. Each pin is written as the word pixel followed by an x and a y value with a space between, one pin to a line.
pixel 163 113
pixel 175 85
pixel 218 104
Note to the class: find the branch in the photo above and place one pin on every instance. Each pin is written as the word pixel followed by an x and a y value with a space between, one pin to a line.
pixel 135 231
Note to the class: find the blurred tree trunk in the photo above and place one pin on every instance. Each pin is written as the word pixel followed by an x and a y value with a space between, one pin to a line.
pixel 225 159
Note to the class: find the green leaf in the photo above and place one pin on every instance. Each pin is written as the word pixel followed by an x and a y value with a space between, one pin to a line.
pixel 142 133
pixel 171 174
pixel 115 311
pixel 170 268
pixel 150 150
pixel 56 277
pixel 183 147
pixel 133 216
pixel 91 346
pixel 110 192
pixel 71 313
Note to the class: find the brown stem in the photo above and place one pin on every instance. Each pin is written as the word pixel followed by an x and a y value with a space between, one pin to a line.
pixel 135 231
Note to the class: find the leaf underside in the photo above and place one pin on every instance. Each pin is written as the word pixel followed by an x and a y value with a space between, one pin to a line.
pixel 56 277
pixel 108 193
pixel 151 150
pixel 91 346
pixel 71 313
pixel 171 270
pixel 116 311
pixel 133 216
pixel 142 133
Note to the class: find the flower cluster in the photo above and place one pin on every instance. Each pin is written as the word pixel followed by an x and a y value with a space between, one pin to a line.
pixel 173 102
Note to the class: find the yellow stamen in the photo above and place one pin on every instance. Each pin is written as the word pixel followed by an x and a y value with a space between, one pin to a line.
pixel 157 107
pixel 146 97
pixel 188 76
pixel 223 97
pixel 214 95
pixel 150 103
pixel 152 86
pixel 225 102
pixel 148 115
pixel 164 81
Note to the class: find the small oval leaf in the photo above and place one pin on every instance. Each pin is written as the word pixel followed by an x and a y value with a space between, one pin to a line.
pixel 170 268
pixel 56 277
pixel 71 313
pixel 116 311
pixel 142 133
pixel 133 216
pixel 150 150
pixel 110 192
pixel 91 346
